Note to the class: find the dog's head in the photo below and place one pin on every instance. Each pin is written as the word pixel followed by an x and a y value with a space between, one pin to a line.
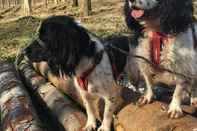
pixel 173 16
pixel 65 42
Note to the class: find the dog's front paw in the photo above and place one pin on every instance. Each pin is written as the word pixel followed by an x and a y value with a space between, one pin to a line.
pixel 175 111
pixel 104 128
pixel 194 102
pixel 146 99
pixel 90 126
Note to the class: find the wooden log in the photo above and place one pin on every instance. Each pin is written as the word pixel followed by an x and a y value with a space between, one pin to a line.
pixel 66 111
pixel 153 117
pixel 17 111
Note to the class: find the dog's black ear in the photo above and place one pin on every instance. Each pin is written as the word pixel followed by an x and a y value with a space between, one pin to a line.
pixel 175 15
pixel 35 52
pixel 66 43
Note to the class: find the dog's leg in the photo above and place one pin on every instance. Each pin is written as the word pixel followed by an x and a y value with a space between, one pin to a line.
pixel 147 98
pixel 175 110
pixel 110 106
pixel 91 120
pixel 194 95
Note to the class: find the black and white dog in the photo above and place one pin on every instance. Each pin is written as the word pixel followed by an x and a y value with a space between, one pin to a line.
pixel 167 36
pixel 71 51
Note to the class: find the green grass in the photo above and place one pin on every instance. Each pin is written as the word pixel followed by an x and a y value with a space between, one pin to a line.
pixel 15 35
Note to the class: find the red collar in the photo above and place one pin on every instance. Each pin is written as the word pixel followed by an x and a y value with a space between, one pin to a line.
pixel 156 46
pixel 82 79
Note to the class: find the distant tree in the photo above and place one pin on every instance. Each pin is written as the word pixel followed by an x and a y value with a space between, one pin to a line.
pixel 3 3
pixel 87 7
pixel 46 3
pixel 33 2
pixel 9 3
pixel 56 1
pixel 75 3
pixel 27 7
pixel 16 2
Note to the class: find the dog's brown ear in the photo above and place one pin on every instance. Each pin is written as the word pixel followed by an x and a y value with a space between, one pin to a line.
pixel 175 15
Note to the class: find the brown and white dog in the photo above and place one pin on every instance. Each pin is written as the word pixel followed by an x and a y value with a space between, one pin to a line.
pixel 167 35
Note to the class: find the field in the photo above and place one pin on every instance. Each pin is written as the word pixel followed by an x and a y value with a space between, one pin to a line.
pixel 17 31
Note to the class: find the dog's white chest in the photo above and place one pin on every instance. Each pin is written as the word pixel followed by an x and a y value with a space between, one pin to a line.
pixel 177 54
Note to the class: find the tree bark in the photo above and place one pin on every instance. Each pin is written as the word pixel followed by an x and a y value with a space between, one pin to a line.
pixel 153 117
pixel 16 2
pixel 3 4
pixel 9 3
pixel 27 7
pixel 64 109
pixel 17 110
pixel 56 1
pixel 45 3
pixel 75 3
pixel 87 7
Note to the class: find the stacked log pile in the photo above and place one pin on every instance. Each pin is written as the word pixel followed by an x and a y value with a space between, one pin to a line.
pixel 64 109
pixel 16 108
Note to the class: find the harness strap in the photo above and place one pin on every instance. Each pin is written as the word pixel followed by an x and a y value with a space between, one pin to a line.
pixel 194 35
pixel 156 48
pixel 82 80
pixel 83 83
pixel 115 71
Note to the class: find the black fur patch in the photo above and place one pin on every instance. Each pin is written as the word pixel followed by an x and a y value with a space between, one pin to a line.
pixel 133 25
pixel 65 44
pixel 130 21
pixel 175 15
pixel 116 56
pixel 36 53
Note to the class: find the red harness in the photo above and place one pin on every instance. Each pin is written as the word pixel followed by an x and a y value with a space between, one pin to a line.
pixel 82 81
pixel 156 47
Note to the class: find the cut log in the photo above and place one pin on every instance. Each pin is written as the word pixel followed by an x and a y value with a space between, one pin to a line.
pixel 66 111
pixel 153 117
pixel 17 111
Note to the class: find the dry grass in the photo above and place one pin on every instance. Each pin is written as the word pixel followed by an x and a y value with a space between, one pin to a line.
pixel 17 31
